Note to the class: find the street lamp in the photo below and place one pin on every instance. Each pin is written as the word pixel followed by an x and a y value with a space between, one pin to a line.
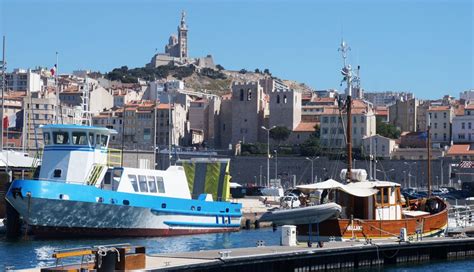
pixel 312 166
pixel 268 153
pixel 384 172
pixel 276 164
pixel 409 172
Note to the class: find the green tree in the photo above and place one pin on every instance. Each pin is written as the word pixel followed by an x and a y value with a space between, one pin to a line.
pixel 266 71
pixel 243 71
pixel 310 147
pixel 280 133
pixel 387 130
pixel 257 71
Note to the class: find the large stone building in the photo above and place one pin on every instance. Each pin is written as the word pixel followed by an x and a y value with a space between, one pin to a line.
pixel 88 95
pixel 248 111
pixel 285 108
pixel 402 114
pixel 176 51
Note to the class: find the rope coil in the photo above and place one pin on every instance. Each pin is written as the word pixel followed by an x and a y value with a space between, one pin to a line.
pixel 102 252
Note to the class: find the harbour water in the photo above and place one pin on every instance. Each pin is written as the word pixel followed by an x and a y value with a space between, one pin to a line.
pixel 32 253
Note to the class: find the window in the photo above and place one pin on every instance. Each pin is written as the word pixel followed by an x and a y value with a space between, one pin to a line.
pixel 143 184
pixel 161 185
pixel 469 125
pixel 461 136
pixel 325 119
pixel 133 181
pixel 444 136
pixel 435 125
pixel 249 95
pixel 333 119
pixel 385 193
pixel 354 120
pixel 444 125
pixel 151 184
pixel 285 100
pixel 146 134
pixel 46 138
pixel 101 140
pixel 362 119
pixel 241 94
pixel 61 137
pixel 444 115
pixel 341 131
pixel 436 136
pixel 79 138
pixel 91 139
pixel 463 125
pixel 354 131
pixel 325 131
pixel 278 99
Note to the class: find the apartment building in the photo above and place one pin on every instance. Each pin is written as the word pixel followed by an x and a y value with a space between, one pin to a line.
pixel 463 125
pixel 440 118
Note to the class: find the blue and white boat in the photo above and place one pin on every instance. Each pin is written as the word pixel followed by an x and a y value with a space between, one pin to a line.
pixel 82 192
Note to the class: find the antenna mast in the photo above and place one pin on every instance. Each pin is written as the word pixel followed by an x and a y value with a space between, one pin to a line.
pixel 347 73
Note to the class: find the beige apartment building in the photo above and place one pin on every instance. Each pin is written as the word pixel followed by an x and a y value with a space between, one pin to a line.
pixel 333 128
pixel 382 147
pixel 440 119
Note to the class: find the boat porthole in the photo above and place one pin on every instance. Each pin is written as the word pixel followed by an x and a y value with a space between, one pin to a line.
pixel 227 210
pixel 112 201
pixel 126 202
pixel 63 197
pixel 163 206
pixel 192 208
pixel 100 199
pixel 199 209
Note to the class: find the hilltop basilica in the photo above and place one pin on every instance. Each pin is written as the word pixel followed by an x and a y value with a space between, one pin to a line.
pixel 176 51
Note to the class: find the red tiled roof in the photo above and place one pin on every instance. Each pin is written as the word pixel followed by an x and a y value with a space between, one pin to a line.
pixel 305 127
pixel 163 106
pixel 461 149
pixel 469 107
pixel 439 108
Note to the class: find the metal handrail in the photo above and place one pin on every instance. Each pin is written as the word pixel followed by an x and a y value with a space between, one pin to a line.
pixel 114 157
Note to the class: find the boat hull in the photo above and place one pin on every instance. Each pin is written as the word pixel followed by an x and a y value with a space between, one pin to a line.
pixel 96 216
pixel 345 229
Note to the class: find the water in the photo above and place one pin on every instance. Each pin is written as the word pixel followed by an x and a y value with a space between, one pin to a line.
pixel 33 253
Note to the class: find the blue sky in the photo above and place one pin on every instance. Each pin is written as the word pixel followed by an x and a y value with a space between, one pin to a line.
pixel 421 46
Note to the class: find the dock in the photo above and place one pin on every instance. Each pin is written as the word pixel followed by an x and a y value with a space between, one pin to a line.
pixel 332 256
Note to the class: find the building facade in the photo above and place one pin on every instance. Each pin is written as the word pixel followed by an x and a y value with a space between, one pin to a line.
pixel 463 126
pixel 440 118
pixel 402 114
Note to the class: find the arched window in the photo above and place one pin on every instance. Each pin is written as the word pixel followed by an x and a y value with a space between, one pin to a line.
pixel 241 94
pixel 285 100
pixel 249 95
pixel 278 99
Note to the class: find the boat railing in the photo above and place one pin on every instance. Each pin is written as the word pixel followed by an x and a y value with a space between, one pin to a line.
pixel 114 157
pixel 461 216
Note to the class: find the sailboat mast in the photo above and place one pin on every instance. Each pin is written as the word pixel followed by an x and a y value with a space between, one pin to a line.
pixel 429 157
pixel 4 83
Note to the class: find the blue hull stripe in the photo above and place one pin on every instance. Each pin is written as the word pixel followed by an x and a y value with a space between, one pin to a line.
pixel 201 225
pixel 157 204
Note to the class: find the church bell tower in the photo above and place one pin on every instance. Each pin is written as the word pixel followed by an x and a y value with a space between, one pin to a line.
pixel 183 37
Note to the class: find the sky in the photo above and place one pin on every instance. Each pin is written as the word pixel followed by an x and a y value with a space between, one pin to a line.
pixel 421 46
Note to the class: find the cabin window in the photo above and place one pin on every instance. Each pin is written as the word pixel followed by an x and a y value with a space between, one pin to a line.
pixel 151 184
pixel 46 138
pixel 61 137
pixel 143 184
pixel 161 185
pixel 385 195
pixel 103 140
pixel 79 138
pixel 133 181
pixel 91 139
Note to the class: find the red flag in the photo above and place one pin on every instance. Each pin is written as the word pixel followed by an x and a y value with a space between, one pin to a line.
pixel 53 70
pixel 5 122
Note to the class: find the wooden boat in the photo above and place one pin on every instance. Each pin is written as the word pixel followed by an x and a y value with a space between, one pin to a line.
pixel 374 209
pixel 379 216
pixel 302 215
